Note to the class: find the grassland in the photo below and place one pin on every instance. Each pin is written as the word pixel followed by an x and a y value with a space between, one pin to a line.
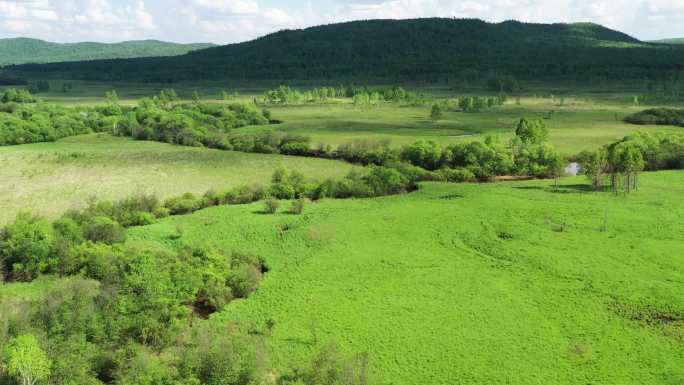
pixel 578 125
pixel 469 284
pixel 49 178
pixel 585 120
pixel 515 283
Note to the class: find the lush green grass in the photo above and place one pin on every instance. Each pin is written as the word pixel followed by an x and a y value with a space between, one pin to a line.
pixel 469 284
pixel 577 125
pixel 49 178
pixel 587 119
pixel 461 284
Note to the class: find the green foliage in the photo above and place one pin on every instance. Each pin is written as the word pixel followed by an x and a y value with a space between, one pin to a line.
pixel 531 132
pixel 436 112
pixel 489 258
pixel 659 116
pixel 26 360
pixel 105 230
pixel 329 53
pixel 479 103
pixel 504 83
pixel 287 184
pixel 623 160
pixel 271 206
pixel 23 123
pixel 26 247
pixel 361 96
pixel 23 50
pixel 17 96
pixel 297 206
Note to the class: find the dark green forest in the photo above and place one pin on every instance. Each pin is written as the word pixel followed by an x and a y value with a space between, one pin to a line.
pixel 24 50
pixel 431 50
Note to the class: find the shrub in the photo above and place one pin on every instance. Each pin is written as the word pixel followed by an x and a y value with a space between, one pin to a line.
pixel 415 173
pixel 660 116
pixel 386 181
pixel 161 212
pixel 105 230
pixel 244 194
pixel 436 112
pixel 298 206
pixel 271 206
pixel 26 247
pixel 425 154
pixel 185 204
pixel 457 175
pixel 136 218
pixel 287 184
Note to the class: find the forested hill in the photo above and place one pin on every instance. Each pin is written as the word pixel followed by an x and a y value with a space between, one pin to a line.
pixel 670 41
pixel 24 50
pixel 401 50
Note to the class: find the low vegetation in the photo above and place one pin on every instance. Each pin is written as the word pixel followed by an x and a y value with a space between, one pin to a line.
pixel 659 116
pixel 119 305
pixel 532 269
pixel 249 250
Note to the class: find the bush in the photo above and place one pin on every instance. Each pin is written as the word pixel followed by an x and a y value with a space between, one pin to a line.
pixel 161 212
pixel 386 181
pixel 105 230
pixel 271 206
pixel 425 154
pixel 660 116
pixel 185 204
pixel 298 206
pixel 286 184
pixel 244 195
pixel 457 175
pixel 26 247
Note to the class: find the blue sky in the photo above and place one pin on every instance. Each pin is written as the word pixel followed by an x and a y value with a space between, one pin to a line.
pixel 228 21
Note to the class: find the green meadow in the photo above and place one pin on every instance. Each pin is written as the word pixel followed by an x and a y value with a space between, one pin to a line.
pixel 429 201
pixel 584 120
pixel 509 283
pixel 579 124
pixel 50 178
pixel 493 283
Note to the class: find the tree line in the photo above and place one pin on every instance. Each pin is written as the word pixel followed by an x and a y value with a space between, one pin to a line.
pixel 361 95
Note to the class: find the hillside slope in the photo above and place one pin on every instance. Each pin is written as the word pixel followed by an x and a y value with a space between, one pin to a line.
pixel 396 50
pixel 669 41
pixel 24 50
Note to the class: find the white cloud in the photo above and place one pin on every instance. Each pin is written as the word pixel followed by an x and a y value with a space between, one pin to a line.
pixel 230 6
pixel 12 10
pixel 141 16
pixel 238 20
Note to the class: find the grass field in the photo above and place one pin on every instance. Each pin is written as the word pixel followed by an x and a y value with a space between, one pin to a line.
pixel 577 125
pixel 49 178
pixel 586 120
pixel 508 283
pixel 513 283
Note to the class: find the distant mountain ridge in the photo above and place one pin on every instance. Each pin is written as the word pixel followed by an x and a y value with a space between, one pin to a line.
pixel 25 50
pixel 669 41
pixel 435 49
